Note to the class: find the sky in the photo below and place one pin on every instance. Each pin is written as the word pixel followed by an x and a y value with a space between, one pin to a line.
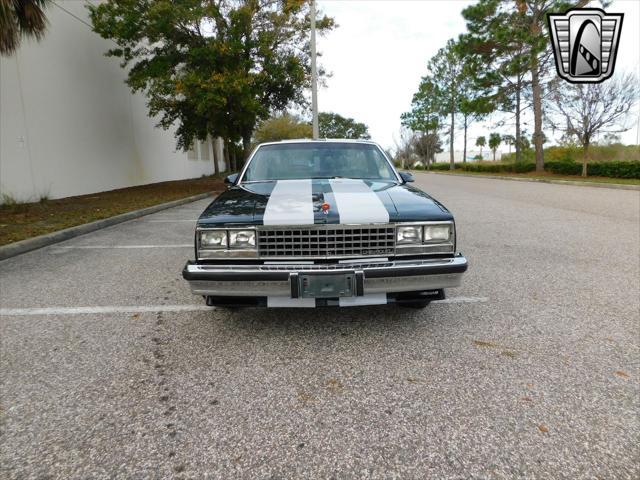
pixel 379 52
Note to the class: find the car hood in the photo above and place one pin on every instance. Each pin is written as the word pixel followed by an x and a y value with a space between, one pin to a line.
pixel 300 202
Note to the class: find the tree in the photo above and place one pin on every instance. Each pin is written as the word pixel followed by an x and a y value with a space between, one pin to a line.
pixel 474 102
pixel 19 19
pixel 499 47
pixel 424 117
pixel 494 143
pixel 515 32
pixel 509 140
pixel 282 127
pixel 332 125
pixel 481 142
pixel 426 145
pixel 584 110
pixel 534 18
pixel 214 67
pixel 446 68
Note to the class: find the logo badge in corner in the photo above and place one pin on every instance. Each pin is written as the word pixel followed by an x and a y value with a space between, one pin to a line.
pixel 585 43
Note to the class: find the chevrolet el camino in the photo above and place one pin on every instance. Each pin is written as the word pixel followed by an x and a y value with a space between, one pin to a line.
pixel 323 223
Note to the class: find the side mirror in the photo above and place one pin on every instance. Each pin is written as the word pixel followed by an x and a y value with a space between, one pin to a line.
pixel 231 179
pixel 407 177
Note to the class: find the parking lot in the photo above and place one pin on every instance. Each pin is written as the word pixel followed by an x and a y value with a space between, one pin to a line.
pixel 110 368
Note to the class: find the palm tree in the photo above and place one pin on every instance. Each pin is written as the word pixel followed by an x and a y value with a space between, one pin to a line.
pixel 509 140
pixel 481 142
pixel 494 143
pixel 18 19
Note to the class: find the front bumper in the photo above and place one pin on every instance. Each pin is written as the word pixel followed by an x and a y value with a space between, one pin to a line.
pixel 281 280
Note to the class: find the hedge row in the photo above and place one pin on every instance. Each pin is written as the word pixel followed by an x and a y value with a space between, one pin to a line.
pixel 595 169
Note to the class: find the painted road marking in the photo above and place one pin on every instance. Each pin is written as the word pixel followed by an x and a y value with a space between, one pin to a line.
pixel 156 308
pixel 168 221
pixel 93 247
pixel 463 300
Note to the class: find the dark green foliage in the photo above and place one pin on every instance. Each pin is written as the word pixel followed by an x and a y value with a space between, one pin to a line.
pixel 211 67
pixel 596 169
pixel 443 166
pixel 332 125
pixel 21 19
pixel 573 153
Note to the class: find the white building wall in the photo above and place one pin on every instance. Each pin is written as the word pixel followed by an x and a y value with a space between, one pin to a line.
pixel 487 155
pixel 69 125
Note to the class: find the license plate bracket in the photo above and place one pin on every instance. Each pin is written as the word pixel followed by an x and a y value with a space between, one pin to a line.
pixel 327 285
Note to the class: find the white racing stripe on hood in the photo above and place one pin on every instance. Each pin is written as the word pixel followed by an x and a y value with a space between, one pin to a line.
pixel 357 203
pixel 290 203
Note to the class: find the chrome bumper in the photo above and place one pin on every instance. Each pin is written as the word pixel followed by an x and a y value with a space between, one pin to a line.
pixel 281 280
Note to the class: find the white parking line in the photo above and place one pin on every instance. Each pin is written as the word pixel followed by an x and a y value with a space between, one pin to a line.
pixel 463 300
pixel 168 221
pixel 155 308
pixel 107 309
pixel 92 247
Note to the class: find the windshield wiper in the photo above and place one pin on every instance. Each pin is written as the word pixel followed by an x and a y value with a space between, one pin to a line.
pixel 329 178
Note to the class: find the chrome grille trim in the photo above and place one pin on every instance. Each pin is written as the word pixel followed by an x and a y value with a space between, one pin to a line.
pixel 326 241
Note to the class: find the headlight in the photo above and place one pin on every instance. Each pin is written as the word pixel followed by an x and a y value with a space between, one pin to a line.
pixel 213 239
pixel 436 233
pixel 409 234
pixel 242 238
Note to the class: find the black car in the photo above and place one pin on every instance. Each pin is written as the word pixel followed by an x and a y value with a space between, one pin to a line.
pixel 323 223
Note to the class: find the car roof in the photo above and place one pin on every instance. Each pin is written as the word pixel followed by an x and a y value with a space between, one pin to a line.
pixel 321 140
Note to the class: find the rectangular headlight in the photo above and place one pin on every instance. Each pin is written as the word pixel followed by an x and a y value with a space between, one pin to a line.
pixel 436 233
pixel 213 239
pixel 242 238
pixel 409 234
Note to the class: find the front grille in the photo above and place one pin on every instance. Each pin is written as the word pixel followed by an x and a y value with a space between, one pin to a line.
pixel 326 241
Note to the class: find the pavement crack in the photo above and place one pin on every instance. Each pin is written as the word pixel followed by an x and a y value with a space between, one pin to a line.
pixel 165 395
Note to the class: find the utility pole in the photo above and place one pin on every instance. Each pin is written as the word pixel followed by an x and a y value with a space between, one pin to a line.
pixel 314 73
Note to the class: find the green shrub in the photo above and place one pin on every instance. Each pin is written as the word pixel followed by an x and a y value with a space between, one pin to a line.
pixel 524 167
pixel 573 153
pixel 442 166
pixel 614 169
pixel 563 167
pixel 596 169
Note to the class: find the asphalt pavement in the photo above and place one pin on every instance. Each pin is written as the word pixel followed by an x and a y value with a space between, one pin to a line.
pixel 110 368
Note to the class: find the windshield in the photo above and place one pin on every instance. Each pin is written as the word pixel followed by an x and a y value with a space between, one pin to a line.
pixel 318 160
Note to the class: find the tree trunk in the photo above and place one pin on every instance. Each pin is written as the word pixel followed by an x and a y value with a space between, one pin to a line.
pixel 585 158
pixel 234 158
pixel 246 146
pixel 537 116
pixel 452 164
pixel 225 148
pixel 518 134
pixel 464 150
pixel 494 154
pixel 216 157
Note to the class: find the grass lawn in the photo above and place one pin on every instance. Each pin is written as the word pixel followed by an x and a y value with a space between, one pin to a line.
pixel 547 176
pixel 25 220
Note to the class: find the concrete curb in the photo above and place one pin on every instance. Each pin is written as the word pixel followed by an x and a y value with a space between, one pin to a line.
pixel 24 246
pixel 615 186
